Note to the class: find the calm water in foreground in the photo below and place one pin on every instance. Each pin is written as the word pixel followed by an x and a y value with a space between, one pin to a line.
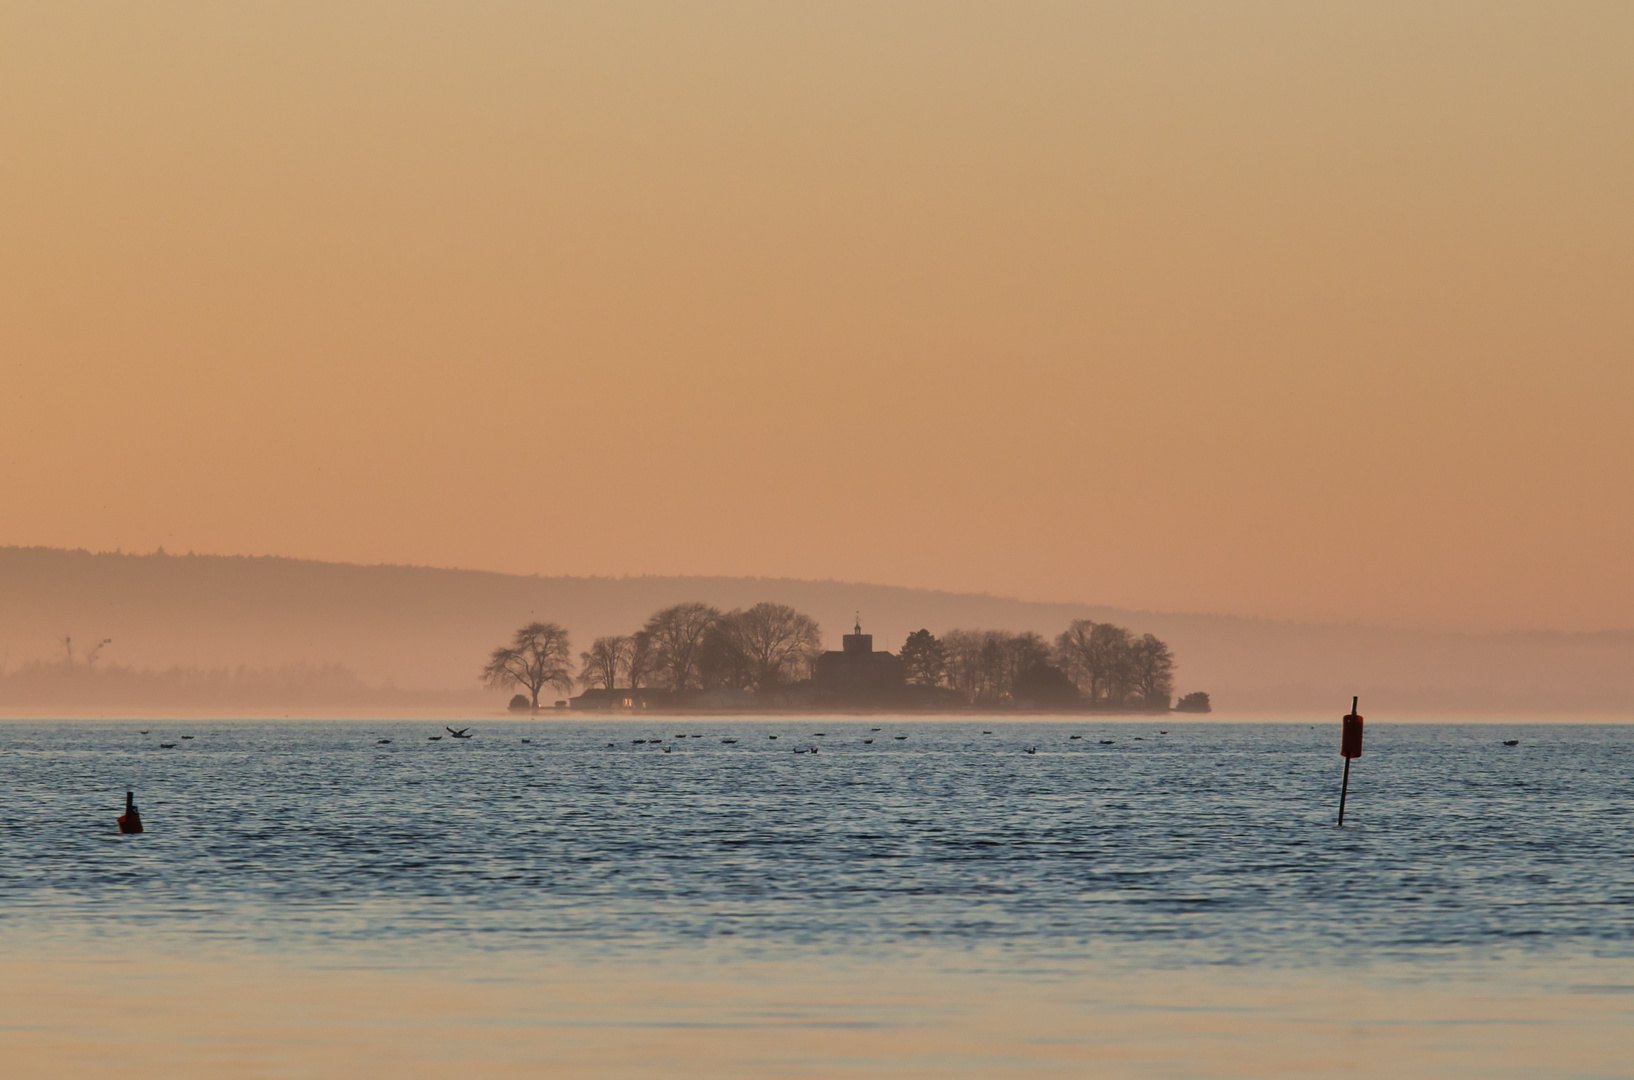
pixel 936 902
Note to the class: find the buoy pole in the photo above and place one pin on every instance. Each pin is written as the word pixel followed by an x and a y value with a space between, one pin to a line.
pixel 1350 745
pixel 1344 789
pixel 131 820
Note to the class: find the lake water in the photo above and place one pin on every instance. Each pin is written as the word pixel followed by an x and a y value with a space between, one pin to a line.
pixel 1179 879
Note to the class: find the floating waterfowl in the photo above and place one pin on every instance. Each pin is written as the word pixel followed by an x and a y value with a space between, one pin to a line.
pixel 1163 733
pixel 434 738
pixel 130 821
pixel 865 742
pixel 771 736
pixel 817 734
pixel 728 740
pixel 187 736
pixel 1512 742
pixel 1074 736
pixel 144 731
pixel 899 738
pixel 1106 742
pixel 637 742
pixel 1030 750
pixel 527 740
pixel 381 742
pixel 873 729
pixel 989 733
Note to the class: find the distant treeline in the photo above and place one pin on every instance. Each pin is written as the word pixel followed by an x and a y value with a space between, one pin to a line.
pixel 772 650
pixel 84 682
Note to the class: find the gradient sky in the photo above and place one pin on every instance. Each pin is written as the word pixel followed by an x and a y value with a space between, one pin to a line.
pixel 1321 311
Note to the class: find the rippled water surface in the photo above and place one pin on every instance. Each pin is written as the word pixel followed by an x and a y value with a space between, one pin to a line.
pixel 1211 843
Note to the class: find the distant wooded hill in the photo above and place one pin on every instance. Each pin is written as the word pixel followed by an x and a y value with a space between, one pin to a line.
pixel 430 630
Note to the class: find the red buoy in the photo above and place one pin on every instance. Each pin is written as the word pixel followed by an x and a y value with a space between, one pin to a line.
pixel 130 821
pixel 1350 733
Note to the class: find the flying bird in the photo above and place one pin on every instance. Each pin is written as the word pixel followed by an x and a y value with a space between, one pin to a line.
pixel 460 734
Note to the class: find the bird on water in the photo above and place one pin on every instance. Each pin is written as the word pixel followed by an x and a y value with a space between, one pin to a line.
pixel 460 734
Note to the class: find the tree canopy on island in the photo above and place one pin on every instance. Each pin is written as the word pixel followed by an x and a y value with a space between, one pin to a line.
pixel 693 647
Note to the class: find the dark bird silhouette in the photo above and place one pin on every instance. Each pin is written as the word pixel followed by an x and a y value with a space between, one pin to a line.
pixel 381 742
pixel 144 731
pixel 865 742
pixel 130 821
pixel 1512 742
pixel 1163 733
pixel 899 738
pixel 434 738
pixel 1106 742
pixel 460 734
pixel 187 736
pixel 873 729
pixel 1074 736
pixel 637 742
pixel 728 740
pixel 987 733
pixel 1030 750
pixel 771 736
pixel 527 740
pixel 167 746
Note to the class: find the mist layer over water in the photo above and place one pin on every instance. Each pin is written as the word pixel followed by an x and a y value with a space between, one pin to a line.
pixel 1212 843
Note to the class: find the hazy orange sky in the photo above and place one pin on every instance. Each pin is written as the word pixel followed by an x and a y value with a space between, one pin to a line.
pixel 1310 310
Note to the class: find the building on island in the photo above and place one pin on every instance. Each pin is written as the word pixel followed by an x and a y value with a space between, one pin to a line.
pixel 622 698
pixel 857 675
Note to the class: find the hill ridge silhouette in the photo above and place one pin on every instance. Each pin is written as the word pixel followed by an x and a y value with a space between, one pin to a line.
pixel 429 628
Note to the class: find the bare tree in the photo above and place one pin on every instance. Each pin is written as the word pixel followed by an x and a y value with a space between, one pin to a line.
pixel 1152 671
pixel 607 659
pixel 642 661
pixel 1114 649
pixel 1022 653
pixel 677 635
pixel 1097 656
pixel 964 662
pixel 539 656
pixel 778 644
pixel 721 662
